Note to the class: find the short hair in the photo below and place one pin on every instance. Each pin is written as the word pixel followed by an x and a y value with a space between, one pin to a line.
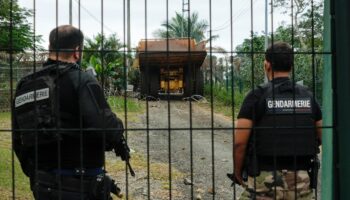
pixel 65 37
pixel 281 56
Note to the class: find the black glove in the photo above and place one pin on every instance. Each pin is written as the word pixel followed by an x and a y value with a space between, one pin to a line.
pixel 234 179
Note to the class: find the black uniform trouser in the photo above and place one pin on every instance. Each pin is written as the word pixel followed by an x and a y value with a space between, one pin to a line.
pixel 50 187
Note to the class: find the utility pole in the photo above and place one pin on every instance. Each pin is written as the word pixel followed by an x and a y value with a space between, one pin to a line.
pixel 128 26
pixel 185 8
pixel 128 45
pixel 266 24
pixel 266 33
pixel 70 13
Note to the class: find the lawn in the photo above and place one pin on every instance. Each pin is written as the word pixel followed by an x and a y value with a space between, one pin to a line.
pixel 8 168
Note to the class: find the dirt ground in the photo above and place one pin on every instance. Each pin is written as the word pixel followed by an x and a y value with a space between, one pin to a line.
pixel 177 141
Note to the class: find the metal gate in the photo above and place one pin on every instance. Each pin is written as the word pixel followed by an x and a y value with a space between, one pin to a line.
pixel 181 146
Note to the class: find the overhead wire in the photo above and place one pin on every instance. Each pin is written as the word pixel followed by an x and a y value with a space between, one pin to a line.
pixel 241 13
pixel 94 17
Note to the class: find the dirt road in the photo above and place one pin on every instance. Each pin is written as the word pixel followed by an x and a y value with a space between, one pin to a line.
pixel 174 146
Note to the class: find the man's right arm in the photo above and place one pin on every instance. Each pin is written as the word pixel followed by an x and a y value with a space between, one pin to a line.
pixel 96 113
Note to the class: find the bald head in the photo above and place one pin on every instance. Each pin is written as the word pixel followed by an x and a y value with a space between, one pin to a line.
pixel 64 40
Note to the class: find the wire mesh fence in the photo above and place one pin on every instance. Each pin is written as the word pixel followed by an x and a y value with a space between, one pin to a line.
pixel 180 88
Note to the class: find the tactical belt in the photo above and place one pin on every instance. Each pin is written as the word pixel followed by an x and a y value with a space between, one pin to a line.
pixel 287 162
pixel 78 172
pixel 65 183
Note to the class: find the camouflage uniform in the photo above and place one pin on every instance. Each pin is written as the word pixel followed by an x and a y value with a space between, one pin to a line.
pixel 285 186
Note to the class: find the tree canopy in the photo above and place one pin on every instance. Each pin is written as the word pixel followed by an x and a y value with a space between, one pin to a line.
pixel 107 59
pixel 307 67
pixel 21 37
pixel 180 26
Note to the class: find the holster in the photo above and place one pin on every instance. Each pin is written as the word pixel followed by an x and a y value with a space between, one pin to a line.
pixel 313 172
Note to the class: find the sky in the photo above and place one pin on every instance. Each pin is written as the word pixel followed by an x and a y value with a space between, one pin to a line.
pixel 114 21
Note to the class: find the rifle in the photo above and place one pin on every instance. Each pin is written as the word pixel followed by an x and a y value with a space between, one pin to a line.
pixel 122 149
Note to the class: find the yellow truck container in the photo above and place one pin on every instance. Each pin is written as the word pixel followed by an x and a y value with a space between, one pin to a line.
pixel 170 67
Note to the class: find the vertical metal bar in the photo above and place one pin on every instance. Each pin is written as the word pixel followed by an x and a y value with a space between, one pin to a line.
pixel 342 96
pixel 79 15
pixel 59 159
pixel 327 149
pixel 147 112
pixel 266 25
pixel 11 97
pixel 335 139
pixel 102 54
pixel 211 99
pixel 273 98
pixel 34 70
pixel 335 107
pixel 189 28
pixel 81 132
pixel 232 92
pixel 70 12
pixel 190 65
pixel 313 75
pixel 293 85
pixel 168 100
pixel 125 66
pixel 253 80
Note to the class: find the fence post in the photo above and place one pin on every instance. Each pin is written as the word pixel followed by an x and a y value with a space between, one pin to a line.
pixel 327 140
pixel 342 98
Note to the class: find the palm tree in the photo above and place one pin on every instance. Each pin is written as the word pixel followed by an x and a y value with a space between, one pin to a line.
pixel 108 61
pixel 179 26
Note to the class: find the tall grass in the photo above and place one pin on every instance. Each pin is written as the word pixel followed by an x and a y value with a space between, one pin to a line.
pixel 222 99
pixel 117 103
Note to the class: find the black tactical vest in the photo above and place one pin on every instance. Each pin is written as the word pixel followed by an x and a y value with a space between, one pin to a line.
pixel 36 105
pixel 286 128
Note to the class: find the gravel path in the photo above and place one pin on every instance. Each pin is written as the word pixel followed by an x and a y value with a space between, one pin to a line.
pixel 202 163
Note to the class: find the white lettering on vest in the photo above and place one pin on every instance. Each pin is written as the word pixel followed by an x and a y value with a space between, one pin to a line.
pixel 29 97
pixel 289 103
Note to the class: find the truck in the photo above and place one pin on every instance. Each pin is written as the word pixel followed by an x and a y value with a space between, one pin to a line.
pixel 170 67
